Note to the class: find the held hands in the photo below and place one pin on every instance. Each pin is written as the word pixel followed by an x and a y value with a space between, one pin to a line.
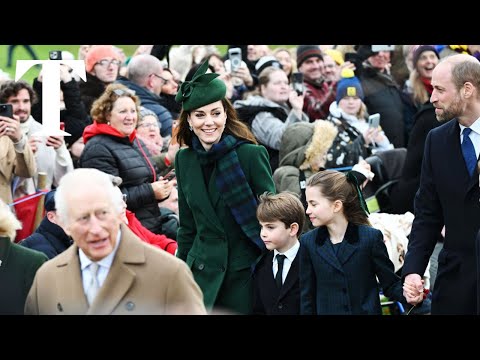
pixel 413 289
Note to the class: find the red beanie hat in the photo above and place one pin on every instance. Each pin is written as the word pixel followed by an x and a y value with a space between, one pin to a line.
pixel 99 52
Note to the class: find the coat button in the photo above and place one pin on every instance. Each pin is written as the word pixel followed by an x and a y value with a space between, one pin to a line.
pixel 59 307
pixel 130 306
pixel 201 267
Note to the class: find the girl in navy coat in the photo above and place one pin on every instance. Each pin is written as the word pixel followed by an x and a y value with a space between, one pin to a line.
pixel 341 260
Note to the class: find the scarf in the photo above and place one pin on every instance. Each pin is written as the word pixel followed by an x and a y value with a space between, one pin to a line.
pixel 428 84
pixel 232 184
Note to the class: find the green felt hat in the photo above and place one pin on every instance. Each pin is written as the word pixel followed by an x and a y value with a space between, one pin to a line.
pixel 202 90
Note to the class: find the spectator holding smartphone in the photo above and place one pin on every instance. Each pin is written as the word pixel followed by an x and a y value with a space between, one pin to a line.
pixel 17 156
pixel 350 111
pixel 51 155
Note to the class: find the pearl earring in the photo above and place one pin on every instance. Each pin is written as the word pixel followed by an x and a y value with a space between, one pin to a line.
pixel 190 127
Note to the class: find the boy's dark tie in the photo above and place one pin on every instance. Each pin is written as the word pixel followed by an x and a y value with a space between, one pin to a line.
pixel 278 277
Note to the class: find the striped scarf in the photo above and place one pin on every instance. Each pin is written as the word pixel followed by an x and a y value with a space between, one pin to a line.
pixel 232 184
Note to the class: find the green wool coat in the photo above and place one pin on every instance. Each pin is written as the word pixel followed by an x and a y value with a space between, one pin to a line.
pixel 18 266
pixel 209 240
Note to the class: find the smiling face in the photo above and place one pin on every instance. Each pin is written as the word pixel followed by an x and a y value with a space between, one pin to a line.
pixel 208 123
pixel 93 223
pixel 123 116
pixel 426 63
pixel 445 97
pixel 320 210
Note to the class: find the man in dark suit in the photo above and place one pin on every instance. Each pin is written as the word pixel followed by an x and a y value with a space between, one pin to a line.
pixel 449 193
pixel 276 276
pixel 108 269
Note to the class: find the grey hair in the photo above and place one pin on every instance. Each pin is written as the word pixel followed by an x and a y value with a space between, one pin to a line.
pixel 83 179
pixel 9 223
pixel 141 66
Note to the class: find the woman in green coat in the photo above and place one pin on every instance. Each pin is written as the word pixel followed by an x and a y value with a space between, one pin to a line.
pixel 18 265
pixel 220 176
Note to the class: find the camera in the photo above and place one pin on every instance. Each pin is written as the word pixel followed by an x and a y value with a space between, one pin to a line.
pixel 55 55
pixel 235 56
pixel 297 82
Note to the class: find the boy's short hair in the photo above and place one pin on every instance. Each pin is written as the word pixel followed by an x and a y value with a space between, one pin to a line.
pixel 285 207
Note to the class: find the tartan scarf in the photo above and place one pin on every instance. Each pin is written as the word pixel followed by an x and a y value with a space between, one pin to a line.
pixel 232 184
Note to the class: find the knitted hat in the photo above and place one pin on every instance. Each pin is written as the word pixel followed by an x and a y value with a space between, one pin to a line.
pixel 98 53
pixel 50 201
pixel 421 49
pixel 266 61
pixel 307 51
pixel 349 85
pixel 335 55
pixel 202 90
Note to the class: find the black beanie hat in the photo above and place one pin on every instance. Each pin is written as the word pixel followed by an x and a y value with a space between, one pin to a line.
pixel 421 49
pixel 307 51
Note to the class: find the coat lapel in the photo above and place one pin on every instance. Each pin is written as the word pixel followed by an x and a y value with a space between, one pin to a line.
pixel 350 242
pixel 204 194
pixel 72 299
pixel 292 277
pixel 325 250
pixel 121 277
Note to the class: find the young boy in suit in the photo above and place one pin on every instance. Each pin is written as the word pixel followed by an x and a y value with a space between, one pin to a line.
pixel 276 276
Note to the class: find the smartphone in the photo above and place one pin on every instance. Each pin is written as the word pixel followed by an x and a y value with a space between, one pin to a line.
pixel 55 55
pixel 351 57
pixel 6 110
pixel 235 56
pixel 377 48
pixel 170 176
pixel 297 82
pixel 374 120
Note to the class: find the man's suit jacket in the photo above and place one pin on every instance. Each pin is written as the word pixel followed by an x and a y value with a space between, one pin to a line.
pixel 141 280
pixel 346 283
pixel 447 196
pixel 268 298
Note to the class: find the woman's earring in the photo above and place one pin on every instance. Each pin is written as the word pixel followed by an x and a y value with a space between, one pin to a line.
pixel 108 122
pixel 190 127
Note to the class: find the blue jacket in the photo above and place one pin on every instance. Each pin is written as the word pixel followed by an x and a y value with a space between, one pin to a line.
pixel 49 238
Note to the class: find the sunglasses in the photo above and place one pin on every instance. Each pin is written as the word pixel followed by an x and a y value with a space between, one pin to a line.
pixel 121 92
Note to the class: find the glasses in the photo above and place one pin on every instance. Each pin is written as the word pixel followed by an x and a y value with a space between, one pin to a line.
pixel 124 197
pixel 121 92
pixel 148 125
pixel 106 63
